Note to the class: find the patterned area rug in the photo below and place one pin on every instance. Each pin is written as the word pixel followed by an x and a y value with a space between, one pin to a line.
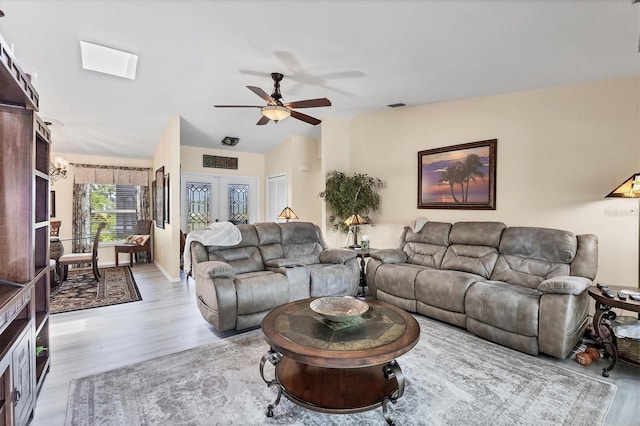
pixel 80 290
pixel 452 378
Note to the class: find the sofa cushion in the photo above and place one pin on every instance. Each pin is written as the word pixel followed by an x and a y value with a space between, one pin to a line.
pixel 329 280
pixel 526 272
pixel 259 291
pixel 300 232
pixel 443 289
pixel 271 251
pixel 268 233
pixel 473 247
pixel 436 233
pixel 478 260
pixel 269 240
pixel 528 256
pixel 549 245
pixel 398 279
pixel 427 247
pixel 303 241
pixel 241 259
pixel 477 233
pixel 506 306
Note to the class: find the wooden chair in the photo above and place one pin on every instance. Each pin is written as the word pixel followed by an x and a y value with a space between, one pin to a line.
pixel 79 258
pixel 143 227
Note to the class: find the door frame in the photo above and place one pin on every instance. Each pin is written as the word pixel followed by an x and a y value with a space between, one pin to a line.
pixel 218 182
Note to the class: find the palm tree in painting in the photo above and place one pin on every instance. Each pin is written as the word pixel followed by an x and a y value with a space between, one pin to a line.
pixel 469 169
pixel 451 176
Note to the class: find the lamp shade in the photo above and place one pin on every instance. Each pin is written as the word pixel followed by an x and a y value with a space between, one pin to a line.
pixel 275 112
pixel 355 219
pixel 287 214
pixel 630 188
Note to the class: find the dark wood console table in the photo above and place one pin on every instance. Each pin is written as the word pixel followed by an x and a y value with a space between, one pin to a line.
pixel 602 321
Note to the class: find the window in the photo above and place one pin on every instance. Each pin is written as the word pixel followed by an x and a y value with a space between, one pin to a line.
pixel 118 206
pixel 238 203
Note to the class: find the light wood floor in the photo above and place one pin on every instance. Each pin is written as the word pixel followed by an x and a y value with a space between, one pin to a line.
pixel 167 321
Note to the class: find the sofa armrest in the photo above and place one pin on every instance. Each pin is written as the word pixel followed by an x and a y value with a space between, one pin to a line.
pixel 216 294
pixel 337 255
pixel 565 285
pixel 215 269
pixel 389 255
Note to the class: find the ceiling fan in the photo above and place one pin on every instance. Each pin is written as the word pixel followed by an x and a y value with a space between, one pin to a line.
pixel 276 110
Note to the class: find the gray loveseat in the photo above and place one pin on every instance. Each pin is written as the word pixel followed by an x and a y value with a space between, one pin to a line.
pixel 273 264
pixel 522 287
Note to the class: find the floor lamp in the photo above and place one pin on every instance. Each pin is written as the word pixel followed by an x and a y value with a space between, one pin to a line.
pixel 630 188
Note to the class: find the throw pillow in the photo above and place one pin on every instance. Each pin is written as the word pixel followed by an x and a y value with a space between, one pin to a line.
pixel 138 239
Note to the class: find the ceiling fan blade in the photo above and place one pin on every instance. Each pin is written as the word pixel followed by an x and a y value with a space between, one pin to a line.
pixel 236 106
pixel 309 103
pixel 263 120
pixel 304 117
pixel 264 95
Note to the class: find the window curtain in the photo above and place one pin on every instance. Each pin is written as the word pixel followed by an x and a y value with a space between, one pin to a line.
pixel 87 174
pixel 81 218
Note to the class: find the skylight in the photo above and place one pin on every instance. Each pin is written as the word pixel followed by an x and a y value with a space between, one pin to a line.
pixel 108 61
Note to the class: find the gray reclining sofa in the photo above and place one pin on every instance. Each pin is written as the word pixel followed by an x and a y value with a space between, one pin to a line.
pixel 522 287
pixel 273 264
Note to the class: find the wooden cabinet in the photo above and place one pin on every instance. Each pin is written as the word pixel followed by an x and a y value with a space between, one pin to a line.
pixel 24 244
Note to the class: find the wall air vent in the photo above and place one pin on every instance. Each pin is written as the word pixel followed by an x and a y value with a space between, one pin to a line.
pixel 218 162
pixel 397 105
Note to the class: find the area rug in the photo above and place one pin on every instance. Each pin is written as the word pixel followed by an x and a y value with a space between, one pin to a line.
pixel 81 291
pixel 452 378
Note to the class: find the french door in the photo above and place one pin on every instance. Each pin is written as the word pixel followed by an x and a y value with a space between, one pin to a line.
pixel 206 198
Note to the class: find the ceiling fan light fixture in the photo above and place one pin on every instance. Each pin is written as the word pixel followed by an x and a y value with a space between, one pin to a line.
pixel 275 112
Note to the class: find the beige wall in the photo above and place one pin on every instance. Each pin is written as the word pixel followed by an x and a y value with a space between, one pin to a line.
pixel 560 151
pixel 299 158
pixel 334 153
pixel 249 164
pixel 166 246
pixel 64 198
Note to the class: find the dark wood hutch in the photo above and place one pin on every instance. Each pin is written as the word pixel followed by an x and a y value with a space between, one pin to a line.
pixel 24 243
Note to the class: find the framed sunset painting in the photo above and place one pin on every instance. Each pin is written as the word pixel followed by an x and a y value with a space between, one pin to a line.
pixel 458 177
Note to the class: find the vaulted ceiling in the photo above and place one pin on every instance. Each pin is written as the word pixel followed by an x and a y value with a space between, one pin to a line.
pixel 362 55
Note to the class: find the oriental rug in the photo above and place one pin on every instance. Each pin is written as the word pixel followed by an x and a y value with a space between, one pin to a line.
pixel 452 378
pixel 81 291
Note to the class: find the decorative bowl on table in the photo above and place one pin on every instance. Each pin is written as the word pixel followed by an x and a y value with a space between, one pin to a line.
pixel 339 308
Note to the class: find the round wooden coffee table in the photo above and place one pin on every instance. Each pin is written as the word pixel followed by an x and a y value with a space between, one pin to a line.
pixel 338 367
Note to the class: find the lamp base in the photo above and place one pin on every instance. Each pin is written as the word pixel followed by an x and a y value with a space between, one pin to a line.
pixel 356 246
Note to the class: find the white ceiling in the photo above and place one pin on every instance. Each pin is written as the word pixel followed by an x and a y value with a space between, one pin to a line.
pixel 362 55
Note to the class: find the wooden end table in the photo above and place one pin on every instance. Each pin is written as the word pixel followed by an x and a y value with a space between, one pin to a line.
pixel 318 364
pixel 603 317
pixel 362 254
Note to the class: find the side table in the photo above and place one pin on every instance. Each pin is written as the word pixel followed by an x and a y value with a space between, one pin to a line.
pixel 604 316
pixel 362 254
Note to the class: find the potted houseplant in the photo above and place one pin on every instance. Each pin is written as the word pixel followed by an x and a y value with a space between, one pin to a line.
pixel 349 195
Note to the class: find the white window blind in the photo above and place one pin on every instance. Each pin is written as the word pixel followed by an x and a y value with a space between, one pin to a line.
pixel 117 206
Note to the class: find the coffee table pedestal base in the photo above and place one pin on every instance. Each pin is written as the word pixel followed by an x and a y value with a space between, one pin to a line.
pixel 334 390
